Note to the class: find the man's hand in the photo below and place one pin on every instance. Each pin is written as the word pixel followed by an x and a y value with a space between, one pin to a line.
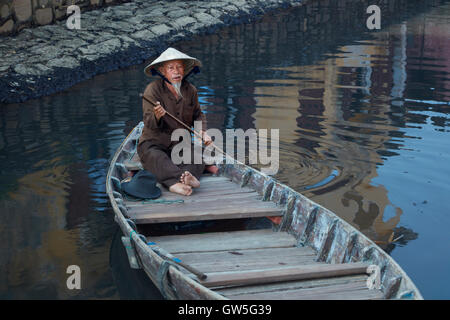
pixel 206 139
pixel 159 111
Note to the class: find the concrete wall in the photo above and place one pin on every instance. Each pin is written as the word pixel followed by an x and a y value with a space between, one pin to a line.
pixel 18 14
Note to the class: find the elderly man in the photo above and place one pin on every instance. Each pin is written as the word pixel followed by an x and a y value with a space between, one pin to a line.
pixel 174 94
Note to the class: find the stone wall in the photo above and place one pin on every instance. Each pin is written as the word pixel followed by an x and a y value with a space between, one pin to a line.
pixel 47 59
pixel 16 15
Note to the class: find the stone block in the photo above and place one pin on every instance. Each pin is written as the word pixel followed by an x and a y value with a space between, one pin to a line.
pixel 206 19
pixel 183 22
pixel 144 35
pixel 231 9
pixel 160 29
pixel 37 69
pixel 96 2
pixel 60 13
pixel 64 62
pixel 43 16
pixel 216 13
pixel 7 27
pixel 4 11
pixel 176 13
pixel 45 52
pixel 22 10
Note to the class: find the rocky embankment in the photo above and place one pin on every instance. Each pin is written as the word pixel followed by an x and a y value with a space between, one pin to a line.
pixel 51 58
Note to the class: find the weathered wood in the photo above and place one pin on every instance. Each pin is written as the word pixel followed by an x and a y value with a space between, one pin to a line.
pixel 219 199
pixel 190 289
pixel 230 241
pixel 184 286
pixel 326 245
pixel 282 274
pixel 187 201
pixel 253 259
pixel 337 249
pixel 310 225
pixel 267 190
pixel 350 248
pixel 213 193
pixel 229 266
pixel 288 214
pixel 349 291
pixel 231 292
pixel 393 287
pixel 203 211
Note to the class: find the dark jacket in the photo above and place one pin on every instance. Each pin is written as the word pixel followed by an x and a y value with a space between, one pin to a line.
pixel 186 109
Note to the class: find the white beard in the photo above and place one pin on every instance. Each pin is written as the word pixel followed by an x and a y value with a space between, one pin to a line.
pixel 177 87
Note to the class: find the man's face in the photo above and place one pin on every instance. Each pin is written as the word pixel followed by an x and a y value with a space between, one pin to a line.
pixel 173 70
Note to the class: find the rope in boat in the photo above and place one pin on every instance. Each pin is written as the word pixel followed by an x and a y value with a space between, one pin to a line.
pixel 144 201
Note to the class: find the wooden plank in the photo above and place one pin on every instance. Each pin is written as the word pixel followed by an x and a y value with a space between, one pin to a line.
pixel 206 191
pixel 214 185
pixel 214 179
pixel 348 291
pixel 282 274
pixel 206 210
pixel 233 292
pixel 203 214
pixel 225 241
pixel 217 198
pixel 249 259
pixel 189 204
pixel 194 199
pixel 210 194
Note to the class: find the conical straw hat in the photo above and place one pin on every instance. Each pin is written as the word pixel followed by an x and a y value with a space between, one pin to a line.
pixel 173 54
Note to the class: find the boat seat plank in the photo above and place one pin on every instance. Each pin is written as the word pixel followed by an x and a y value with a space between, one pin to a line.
pixel 216 198
pixel 282 274
pixel 243 291
pixel 251 259
pixel 198 199
pixel 347 291
pixel 203 212
pixel 225 241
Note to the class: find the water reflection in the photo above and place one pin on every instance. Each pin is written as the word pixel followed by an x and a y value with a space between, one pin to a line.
pixel 340 109
pixel 363 119
pixel 351 113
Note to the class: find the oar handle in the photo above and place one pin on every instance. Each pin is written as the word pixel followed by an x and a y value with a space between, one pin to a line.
pixel 193 270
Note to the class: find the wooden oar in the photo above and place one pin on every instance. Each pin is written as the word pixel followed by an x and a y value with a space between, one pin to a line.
pixel 186 126
pixel 164 254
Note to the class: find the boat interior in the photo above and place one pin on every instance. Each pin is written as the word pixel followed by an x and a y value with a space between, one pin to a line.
pixel 227 232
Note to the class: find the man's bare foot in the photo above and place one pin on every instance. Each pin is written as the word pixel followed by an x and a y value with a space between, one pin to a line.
pixel 189 179
pixel 181 188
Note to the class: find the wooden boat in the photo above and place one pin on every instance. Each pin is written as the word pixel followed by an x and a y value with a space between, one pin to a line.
pixel 310 254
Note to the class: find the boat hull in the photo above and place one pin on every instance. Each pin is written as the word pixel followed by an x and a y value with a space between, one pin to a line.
pixel 334 240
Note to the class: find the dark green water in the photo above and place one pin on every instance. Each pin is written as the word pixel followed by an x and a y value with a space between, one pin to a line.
pixel 364 131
